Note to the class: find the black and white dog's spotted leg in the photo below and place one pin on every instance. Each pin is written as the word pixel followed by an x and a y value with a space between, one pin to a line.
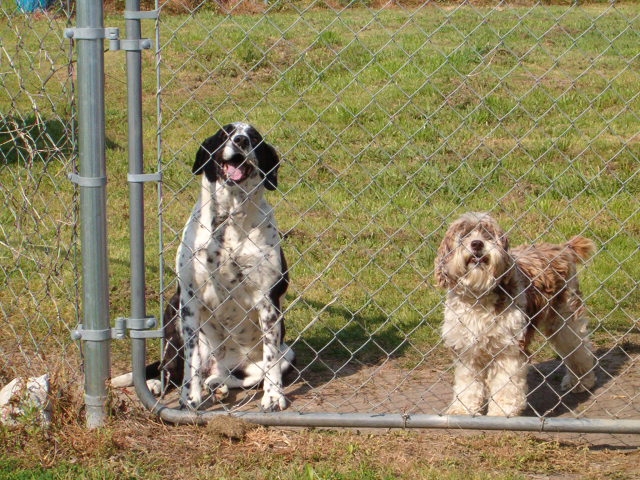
pixel 191 394
pixel 270 322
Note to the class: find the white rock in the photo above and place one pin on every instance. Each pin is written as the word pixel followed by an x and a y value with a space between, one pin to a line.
pixel 22 396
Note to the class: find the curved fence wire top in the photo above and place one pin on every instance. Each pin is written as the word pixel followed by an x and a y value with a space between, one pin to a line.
pixel 390 121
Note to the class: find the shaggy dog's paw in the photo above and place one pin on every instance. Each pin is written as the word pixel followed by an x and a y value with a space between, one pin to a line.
pixel 573 384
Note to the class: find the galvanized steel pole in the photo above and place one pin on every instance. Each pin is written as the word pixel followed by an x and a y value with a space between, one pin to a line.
pixel 92 185
pixel 137 179
pixel 136 188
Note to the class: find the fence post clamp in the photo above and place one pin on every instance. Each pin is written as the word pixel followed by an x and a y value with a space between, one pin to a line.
pixel 144 177
pixel 91 335
pixel 138 328
pixel 87 181
pixel 109 33
pixel 141 14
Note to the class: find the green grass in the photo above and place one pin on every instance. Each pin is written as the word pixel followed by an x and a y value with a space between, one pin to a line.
pixel 389 124
pixel 387 134
pixel 9 471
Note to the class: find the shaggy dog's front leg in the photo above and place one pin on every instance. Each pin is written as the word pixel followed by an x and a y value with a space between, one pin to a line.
pixel 507 383
pixel 468 389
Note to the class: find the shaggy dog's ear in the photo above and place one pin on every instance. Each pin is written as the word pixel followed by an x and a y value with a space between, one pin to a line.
pixel 203 162
pixel 444 250
pixel 268 163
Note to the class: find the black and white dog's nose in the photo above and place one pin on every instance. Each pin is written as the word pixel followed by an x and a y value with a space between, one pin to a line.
pixel 241 141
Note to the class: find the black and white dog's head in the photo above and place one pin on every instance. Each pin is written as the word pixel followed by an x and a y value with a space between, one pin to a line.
pixel 236 153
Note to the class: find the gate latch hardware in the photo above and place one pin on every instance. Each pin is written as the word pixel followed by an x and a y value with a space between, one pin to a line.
pixel 138 328
pixel 109 33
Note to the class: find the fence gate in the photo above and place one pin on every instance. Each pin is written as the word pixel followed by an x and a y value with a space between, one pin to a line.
pixel 390 121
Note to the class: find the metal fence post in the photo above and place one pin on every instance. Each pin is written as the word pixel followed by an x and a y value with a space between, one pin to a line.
pixel 137 179
pixel 136 199
pixel 96 333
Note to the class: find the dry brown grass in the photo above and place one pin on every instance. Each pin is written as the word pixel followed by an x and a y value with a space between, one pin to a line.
pixel 136 444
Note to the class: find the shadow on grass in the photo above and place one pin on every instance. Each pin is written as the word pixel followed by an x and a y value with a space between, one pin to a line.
pixel 360 340
pixel 29 139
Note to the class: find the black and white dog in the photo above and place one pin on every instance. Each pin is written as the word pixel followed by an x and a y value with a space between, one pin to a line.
pixel 232 275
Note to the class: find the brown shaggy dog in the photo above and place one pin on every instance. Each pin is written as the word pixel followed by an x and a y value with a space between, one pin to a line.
pixel 497 299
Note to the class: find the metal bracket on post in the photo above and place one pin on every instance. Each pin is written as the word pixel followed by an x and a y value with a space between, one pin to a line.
pixel 91 335
pixel 138 328
pixel 92 33
pixel 109 33
pixel 141 15
pixel 132 45
pixel 87 181
pixel 144 177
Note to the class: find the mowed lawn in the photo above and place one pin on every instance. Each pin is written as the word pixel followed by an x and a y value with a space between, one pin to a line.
pixel 389 124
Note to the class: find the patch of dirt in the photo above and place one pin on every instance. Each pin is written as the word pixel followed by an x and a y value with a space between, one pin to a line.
pixel 393 388
pixel 232 428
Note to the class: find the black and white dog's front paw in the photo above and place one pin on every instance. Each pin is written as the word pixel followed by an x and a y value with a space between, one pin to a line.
pixel 218 391
pixel 273 401
pixel 190 398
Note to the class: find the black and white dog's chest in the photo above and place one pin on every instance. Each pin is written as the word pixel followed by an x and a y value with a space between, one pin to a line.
pixel 237 262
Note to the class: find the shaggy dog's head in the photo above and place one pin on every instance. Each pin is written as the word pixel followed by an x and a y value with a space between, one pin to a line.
pixel 235 154
pixel 473 256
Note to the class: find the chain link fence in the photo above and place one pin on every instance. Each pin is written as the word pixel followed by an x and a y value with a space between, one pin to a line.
pixel 390 121
pixel 38 268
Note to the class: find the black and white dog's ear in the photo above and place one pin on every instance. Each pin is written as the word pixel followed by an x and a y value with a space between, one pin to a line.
pixel 268 162
pixel 203 162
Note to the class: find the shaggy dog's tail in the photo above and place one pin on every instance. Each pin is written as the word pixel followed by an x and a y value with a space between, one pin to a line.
pixel 582 247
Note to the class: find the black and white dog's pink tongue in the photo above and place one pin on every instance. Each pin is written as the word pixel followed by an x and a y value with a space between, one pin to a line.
pixel 233 173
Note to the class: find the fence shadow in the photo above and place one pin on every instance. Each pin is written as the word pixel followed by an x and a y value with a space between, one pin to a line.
pixel 362 341
pixel 29 139
pixel 321 362
pixel 545 396
pixel 325 355
pixel 366 341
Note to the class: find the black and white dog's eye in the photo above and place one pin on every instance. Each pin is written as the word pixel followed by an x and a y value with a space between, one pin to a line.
pixel 255 140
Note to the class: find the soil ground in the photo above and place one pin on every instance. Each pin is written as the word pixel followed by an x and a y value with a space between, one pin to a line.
pixel 426 389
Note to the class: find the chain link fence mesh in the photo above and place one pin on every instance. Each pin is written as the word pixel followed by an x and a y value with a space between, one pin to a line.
pixel 38 269
pixel 390 121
